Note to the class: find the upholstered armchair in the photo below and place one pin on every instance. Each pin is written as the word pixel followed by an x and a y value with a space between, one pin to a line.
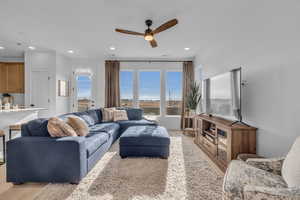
pixel 264 179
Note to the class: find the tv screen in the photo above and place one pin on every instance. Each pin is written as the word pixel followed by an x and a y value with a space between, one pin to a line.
pixel 222 95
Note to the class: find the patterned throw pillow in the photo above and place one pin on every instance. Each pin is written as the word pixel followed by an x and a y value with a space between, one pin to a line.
pixel 58 128
pixel 108 114
pixel 120 115
pixel 79 125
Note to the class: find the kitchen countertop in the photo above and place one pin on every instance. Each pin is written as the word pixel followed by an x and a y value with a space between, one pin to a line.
pixel 21 110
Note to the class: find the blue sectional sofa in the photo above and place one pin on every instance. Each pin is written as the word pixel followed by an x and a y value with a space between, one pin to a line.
pixel 37 157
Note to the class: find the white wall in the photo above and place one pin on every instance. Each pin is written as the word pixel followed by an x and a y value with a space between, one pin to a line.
pixel 58 68
pixel 270 97
pixel 41 61
pixel 63 72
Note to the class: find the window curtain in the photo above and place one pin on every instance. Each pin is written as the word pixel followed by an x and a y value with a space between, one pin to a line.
pixel 112 83
pixel 187 80
pixel 235 93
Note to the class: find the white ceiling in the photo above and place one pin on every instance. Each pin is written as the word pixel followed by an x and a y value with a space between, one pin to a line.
pixel 208 27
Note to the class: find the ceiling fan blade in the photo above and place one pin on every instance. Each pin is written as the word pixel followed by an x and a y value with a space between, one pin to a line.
pixel 166 26
pixel 129 32
pixel 153 43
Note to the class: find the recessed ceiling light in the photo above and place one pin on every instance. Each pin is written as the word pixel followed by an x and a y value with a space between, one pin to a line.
pixel 31 47
pixel 70 51
pixel 1 47
pixel 186 48
pixel 112 48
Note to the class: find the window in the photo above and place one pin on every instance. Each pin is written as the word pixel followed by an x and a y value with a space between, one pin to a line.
pixel 143 88
pixel 84 92
pixel 173 93
pixel 149 92
pixel 126 88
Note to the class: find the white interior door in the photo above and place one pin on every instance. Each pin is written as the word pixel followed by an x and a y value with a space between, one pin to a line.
pixel 39 97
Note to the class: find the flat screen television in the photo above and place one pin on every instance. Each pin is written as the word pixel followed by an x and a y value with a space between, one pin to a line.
pixel 222 95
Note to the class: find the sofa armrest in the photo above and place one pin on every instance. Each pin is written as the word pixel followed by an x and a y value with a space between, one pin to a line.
pixel 46 159
pixel 271 165
pixel 267 193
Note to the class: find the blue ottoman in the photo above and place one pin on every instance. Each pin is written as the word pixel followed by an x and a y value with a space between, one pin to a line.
pixel 145 141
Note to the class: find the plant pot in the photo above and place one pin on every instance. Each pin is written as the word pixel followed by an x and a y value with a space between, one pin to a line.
pixel 192 112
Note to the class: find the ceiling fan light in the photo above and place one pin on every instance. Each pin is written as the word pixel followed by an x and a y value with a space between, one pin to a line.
pixel 149 37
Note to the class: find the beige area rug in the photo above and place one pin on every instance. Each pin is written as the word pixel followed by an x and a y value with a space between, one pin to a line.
pixel 187 174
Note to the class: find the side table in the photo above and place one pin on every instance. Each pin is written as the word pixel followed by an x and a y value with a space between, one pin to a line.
pixel 189 126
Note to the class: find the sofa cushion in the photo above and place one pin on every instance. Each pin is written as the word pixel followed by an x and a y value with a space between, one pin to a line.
pixel 59 128
pixel 128 123
pixel 99 114
pixel 107 114
pixel 94 141
pixel 89 116
pixel 145 136
pixel 107 127
pixel 133 113
pixel 291 166
pixel 120 115
pixel 239 174
pixel 37 127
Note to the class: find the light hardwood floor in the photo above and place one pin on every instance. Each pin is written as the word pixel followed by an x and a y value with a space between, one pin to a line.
pixel 29 191
pixel 9 191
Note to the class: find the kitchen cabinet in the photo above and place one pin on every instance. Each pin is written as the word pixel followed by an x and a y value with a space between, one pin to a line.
pixel 11 77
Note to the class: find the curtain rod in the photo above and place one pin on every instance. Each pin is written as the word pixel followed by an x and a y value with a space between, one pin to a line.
pixel 153 60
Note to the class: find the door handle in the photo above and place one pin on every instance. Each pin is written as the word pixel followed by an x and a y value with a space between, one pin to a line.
pixel 32 105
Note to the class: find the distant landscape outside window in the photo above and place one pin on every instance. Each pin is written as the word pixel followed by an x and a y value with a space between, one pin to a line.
pixel 126 88
pixel 84 92
pixel 149 92
pixel 173 93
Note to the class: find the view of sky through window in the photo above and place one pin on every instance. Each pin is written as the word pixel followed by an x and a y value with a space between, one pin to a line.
pixel 126 84
pixel 84 85
pixel 149 85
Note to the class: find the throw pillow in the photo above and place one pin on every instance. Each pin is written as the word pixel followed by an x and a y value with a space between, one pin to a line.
pixel 291 166
pixel 79 125
pixel 108 114
pixel 58 128
pixel 120 115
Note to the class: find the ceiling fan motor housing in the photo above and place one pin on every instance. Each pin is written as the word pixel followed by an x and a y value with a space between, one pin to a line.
pixel 148 22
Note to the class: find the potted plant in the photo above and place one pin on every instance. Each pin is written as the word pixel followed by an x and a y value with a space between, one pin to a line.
pixel 193 98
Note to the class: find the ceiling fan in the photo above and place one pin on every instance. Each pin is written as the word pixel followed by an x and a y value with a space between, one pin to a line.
pixel 149 33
